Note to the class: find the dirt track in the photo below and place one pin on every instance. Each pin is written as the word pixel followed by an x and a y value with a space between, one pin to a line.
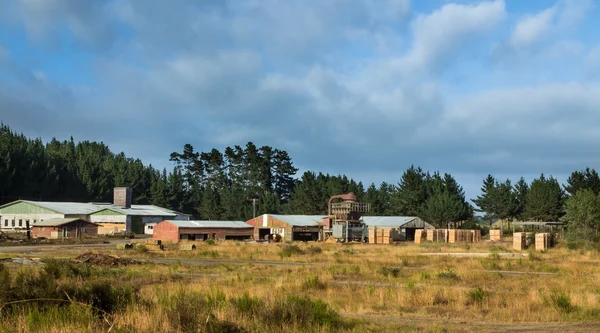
pixel 477 326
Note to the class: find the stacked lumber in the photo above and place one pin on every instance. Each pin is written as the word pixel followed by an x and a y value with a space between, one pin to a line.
pixel 528 238
pixel 476 235
pixel 452 236
pixel 381 236
pixel 432 235
pixel 441 235
pixel 372 235
pixel 495 235
pixel 469 236
pixel 519 241
pixel 420 236
pixel 543 241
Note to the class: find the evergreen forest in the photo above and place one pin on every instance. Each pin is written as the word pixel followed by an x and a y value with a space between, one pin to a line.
pixel 240 181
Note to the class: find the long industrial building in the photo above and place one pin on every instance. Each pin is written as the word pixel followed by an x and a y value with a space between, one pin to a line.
pixel 121 215
pixel 310 227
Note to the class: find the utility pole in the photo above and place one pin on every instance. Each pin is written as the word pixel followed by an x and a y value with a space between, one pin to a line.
pixel 254 200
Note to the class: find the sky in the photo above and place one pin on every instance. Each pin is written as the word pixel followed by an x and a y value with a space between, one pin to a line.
pixel 365 88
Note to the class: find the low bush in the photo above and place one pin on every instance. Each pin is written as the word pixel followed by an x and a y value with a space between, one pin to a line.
pixel 447 274
pixel 302 312
pixel 476 296
pixel 209 242
pixel 390 271
pixel 561 301
pixel 247 306
pixel 290 250
pixel 314 250
pixel 313 283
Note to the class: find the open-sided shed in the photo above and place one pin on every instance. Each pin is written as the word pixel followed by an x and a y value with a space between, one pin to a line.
pixel 404 225
pixel 177 230
pixel 289 227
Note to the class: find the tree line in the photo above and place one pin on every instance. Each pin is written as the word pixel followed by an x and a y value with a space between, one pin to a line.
pixel 239 182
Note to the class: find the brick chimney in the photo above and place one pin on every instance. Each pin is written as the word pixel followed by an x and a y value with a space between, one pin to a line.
pixel 122 197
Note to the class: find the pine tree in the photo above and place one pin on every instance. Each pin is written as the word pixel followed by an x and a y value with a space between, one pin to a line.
pixel 410 194
pixel 521 193
pixel 580 180
pixel 210 208
pixel 488 198
pixel 545 200
pixel 583 214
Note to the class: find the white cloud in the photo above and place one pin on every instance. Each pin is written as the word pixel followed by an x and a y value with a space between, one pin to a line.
pixel 437 35
pixel 530 28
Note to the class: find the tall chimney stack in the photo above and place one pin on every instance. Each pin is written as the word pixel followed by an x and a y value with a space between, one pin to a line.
pixel 122 197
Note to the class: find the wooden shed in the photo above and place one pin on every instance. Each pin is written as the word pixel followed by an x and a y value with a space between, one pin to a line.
pixel 176 230
pixel 64 228
pixel 288 227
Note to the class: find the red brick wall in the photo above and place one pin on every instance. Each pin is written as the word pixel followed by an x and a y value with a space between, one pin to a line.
pixel 88 230
pixel 166 232
pixel 38 232
pixel 169 232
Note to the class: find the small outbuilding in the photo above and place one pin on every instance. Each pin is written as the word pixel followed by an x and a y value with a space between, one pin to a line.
pixel 179 230
pixel 64 228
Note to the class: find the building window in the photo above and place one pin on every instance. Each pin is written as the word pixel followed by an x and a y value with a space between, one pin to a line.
pixel 13 223
pixel 6 223
pixel 34 221
pixel 20 223
pixel 150 227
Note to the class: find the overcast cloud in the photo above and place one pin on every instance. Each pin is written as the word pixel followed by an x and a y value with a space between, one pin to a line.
pixel 364 88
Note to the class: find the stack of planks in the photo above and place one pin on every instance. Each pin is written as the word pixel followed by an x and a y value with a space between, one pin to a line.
pixel 476 235
pixel 519 241
pixel 420 236
pixel 381 236
pixel 543 241
pixel 432 235
pixel 495 235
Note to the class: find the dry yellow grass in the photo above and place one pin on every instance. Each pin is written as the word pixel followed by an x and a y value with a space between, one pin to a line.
pixel 376 283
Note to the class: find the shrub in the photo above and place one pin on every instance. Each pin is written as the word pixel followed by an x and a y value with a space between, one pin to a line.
pixel 290 250
pixel 303 312
pixel 390 271
pixel 561 301
pixel 62 268
pixel 101 295
pixel 476 296
pixel 314 250
pixel 448 274
pixel 313 282
pixel 247 306
pixel 209 242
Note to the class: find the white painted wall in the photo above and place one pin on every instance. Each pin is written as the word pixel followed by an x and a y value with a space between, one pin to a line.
pixel 23 218
pixel 149 228
pixel 108 218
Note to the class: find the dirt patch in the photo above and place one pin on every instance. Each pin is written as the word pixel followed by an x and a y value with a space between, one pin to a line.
pixel 99 259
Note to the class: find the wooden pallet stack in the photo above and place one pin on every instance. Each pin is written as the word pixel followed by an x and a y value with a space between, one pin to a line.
pixel 519 241
pixel 381 236
pixel 452 236
pixel 420 236
pixel 432 235
pixel 543 241
pixel 495 235
pixel 476 236
pixel 372 235
pixel 441 235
